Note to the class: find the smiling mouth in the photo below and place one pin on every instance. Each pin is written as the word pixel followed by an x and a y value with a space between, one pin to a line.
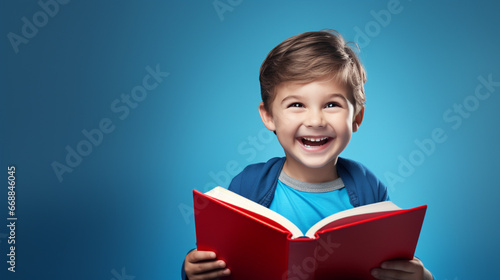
pixel 314 142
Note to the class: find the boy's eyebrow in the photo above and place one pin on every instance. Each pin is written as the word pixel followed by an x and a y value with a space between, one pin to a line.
pixel 331 95
pixel 290 97
pixel 336 94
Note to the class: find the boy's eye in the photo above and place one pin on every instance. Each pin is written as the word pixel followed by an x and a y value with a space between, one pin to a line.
pixel 295 105
pixel 332 105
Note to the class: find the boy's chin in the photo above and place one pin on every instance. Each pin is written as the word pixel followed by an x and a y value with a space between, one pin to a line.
pixel 319 165
pixel 315 163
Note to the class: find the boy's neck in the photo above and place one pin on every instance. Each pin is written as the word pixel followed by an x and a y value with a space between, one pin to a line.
pixel 306 174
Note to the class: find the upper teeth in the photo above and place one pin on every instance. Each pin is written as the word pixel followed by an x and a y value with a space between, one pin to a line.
pixel 315 139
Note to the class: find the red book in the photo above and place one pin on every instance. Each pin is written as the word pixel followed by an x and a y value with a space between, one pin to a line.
pixel 258 243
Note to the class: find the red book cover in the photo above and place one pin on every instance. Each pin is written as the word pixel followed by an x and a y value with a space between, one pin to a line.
pixel 257 247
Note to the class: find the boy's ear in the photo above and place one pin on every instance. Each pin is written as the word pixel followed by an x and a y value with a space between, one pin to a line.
pixel 358 119
pixel 266 117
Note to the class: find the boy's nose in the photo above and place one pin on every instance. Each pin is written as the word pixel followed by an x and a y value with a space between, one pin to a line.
pixel 315 118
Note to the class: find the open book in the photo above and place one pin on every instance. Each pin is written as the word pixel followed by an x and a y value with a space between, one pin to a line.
pixel 258 243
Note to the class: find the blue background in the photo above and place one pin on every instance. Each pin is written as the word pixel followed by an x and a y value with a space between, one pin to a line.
pixel 124 212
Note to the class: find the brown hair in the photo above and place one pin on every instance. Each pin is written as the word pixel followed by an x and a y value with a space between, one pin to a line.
pixel 312 56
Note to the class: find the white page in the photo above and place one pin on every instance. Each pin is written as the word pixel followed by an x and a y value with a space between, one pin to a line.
pixel 365 209
pixel 238 200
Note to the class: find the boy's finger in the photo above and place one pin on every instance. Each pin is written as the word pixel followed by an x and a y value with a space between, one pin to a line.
pixel 214 274
pixel 204 267
pixel 401 265
pixel 390 274
pixel 198 256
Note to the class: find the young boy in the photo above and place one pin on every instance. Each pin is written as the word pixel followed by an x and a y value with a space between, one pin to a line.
pixel 312 88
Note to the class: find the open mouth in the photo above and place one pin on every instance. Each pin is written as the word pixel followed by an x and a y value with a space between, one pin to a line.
pixel 314 142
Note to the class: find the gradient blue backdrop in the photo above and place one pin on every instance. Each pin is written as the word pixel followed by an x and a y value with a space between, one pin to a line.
pixel 124 210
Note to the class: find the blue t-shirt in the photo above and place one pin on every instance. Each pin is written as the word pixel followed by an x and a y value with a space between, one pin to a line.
pixel 305 204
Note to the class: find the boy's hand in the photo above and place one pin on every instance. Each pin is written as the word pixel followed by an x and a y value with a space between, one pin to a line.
pixel 403 270
pixel 204 265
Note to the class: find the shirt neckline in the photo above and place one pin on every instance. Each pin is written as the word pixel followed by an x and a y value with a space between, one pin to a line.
pixel 293 183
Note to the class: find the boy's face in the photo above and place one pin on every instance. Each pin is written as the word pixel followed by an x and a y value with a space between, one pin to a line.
pixel 314 123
